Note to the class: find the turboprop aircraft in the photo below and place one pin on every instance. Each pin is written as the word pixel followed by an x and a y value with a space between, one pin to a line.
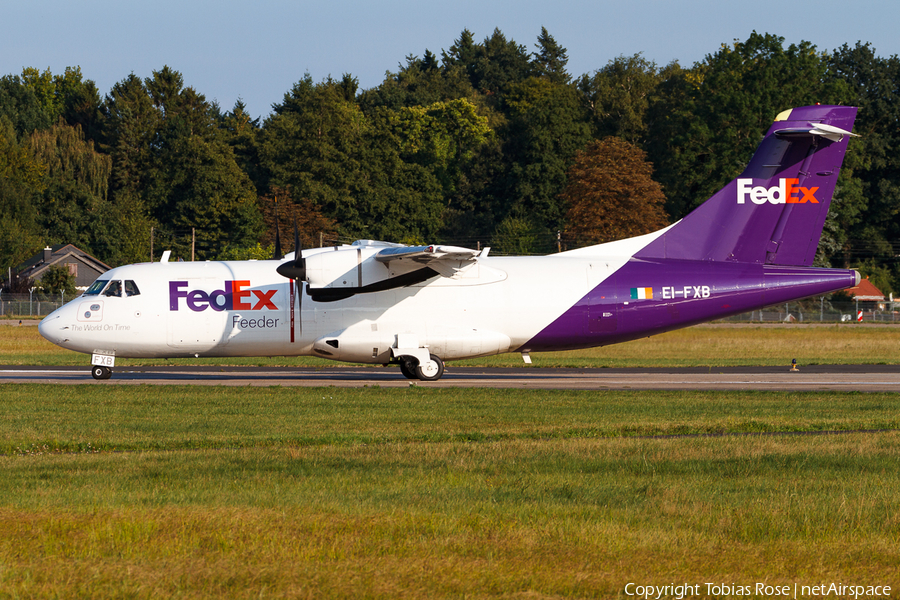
pixel 749 246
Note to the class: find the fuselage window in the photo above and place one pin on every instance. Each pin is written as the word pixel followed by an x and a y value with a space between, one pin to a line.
pixel 131 288
pixel 114 288
pixel 96 287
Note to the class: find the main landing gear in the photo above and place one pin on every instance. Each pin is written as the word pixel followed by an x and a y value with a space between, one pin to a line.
pixel 431 370
pixel 98 372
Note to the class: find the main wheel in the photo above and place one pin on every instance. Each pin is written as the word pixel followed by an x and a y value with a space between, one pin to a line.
pixel 408 368
pixel 431 370
pixel 98 372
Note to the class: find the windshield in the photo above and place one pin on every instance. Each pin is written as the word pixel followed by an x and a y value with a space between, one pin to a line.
pixel 96 287
pixel 114 288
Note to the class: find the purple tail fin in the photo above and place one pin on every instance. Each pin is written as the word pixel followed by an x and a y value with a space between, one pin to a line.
pixel 774 212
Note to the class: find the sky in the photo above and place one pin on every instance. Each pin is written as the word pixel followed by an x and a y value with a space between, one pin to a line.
pixel 256 51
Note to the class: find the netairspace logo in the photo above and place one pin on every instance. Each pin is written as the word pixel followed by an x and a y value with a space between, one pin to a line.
pixel 786 192
pixel 679 591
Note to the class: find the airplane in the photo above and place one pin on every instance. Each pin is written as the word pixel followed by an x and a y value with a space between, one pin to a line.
pixel 749 246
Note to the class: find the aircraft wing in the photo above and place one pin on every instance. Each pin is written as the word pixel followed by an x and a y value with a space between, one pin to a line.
pixel 446 260
pixel 426 254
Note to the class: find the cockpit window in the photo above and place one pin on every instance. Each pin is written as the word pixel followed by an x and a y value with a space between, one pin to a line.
pixel 96 287
pixel 131 288
pixel 114 288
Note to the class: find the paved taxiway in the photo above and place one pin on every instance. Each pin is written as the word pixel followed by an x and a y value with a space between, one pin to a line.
pixel 867 378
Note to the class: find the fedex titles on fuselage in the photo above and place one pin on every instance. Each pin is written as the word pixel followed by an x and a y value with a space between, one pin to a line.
pixel 234 295
pixel 786 192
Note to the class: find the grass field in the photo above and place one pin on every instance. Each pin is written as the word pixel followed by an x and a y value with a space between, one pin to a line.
pixel 149 492
pixel 197 492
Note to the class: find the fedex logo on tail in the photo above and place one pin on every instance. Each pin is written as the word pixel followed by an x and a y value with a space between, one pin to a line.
pixel 234 295
pixel 786 192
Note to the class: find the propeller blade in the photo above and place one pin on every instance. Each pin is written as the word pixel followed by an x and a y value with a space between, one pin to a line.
pixel 277 254
pixel 295 269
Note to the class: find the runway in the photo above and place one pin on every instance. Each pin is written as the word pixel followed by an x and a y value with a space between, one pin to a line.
pixel 864 378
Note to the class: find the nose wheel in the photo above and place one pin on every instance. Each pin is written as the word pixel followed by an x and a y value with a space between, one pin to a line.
pixel 98 372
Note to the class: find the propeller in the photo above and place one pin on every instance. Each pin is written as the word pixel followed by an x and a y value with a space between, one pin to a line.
pixel 295 269
pixel 277 253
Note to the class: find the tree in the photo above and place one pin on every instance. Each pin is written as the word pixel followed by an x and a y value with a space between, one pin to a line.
pixel 73 206
pixel 442 136
pixel 58 280
pixel 243 135
pixel 311 224
pixel 619 95
pixel 502 63
pixel 498 64
pixel 21 107
pixel 21 183
pixel 708 120
pixel 324 149
pixel 610 194
pixel 550 60
pixel 44 87
pixel 209 193
pixel 867 201
pixel 546 126
pixel 130 128
pixel 463 55
pixel 420 82
pixel 516 236
pixel 79 102
pixel 173 168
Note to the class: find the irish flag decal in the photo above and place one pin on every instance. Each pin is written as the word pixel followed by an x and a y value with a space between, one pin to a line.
pixel 642 293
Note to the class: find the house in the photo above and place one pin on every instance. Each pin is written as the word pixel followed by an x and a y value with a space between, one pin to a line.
pixel 84 267
pixel 867 296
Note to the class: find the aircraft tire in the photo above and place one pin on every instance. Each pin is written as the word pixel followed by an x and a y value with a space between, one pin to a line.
pixel 98 372
pixel 408 368
pixel 431 370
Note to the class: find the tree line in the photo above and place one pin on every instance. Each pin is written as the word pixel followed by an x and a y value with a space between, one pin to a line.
pixel 490 143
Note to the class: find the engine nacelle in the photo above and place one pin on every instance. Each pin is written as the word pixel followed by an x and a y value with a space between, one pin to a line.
pixel 345 267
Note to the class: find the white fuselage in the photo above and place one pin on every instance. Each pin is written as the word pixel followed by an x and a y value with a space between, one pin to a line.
pixel 244 308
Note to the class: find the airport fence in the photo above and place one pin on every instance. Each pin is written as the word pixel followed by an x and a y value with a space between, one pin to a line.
pixel 810 311
pixel 31 305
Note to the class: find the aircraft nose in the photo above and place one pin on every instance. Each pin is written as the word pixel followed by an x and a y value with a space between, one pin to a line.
pixel 51 328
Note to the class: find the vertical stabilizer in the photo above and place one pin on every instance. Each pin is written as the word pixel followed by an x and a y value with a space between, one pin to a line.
pixel 773 213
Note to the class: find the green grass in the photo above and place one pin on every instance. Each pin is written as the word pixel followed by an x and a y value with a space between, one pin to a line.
pixel 148 492
pixel 708 345
pixel 136 418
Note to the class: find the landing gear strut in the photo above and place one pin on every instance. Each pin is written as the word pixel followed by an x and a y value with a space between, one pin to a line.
pixel 98 372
